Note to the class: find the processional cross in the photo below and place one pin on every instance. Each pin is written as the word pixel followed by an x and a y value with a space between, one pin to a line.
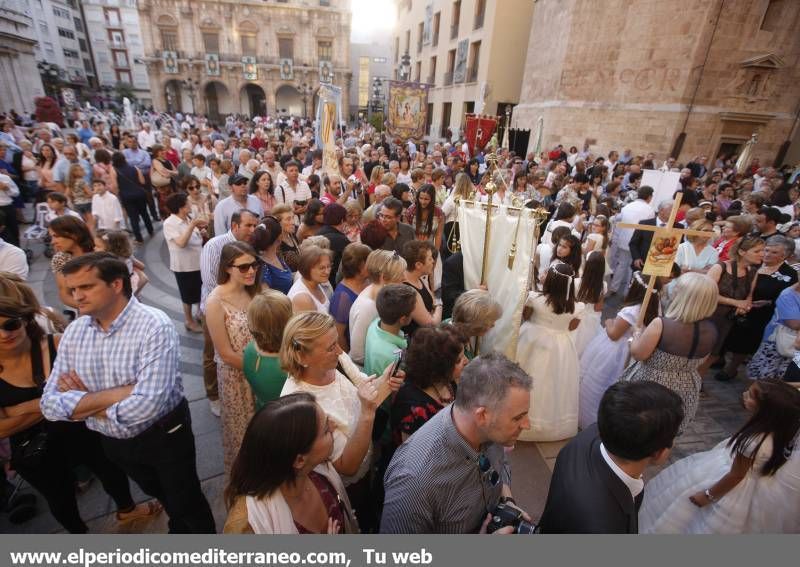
pixel 662 251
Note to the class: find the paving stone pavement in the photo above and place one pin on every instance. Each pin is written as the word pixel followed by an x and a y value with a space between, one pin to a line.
pixel 720 413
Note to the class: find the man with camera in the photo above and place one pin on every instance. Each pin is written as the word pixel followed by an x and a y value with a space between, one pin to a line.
pixel 452 475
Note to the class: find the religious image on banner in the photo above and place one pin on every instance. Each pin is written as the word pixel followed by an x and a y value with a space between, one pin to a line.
pixel 329 116
pixel 325 72
pixel 661 256
pixel 408 110
pixel 478 131
pixel 287 69
pixel 170 59
pixel 460 72
pixel 428 24
pixel 249 69
pixel 212 64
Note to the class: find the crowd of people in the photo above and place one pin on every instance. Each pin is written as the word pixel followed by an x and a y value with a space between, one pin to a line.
pixel 340 341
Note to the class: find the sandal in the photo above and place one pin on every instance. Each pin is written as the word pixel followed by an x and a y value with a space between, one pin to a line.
pixel 149 508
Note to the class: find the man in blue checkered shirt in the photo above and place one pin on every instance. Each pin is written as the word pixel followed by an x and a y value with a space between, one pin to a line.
pixel 118 369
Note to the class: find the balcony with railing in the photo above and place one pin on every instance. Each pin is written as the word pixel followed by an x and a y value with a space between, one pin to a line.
pixel 431 80
pixel 435 38
pixel 472 74
pixel 454 31
pixel 479 20
pixel 419 45
pixel 448 79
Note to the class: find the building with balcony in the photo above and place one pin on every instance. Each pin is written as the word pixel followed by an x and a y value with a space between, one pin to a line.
pixel 254 57
pixel 62 44
pixel 19 85
pixel 471 52
pixel 117 46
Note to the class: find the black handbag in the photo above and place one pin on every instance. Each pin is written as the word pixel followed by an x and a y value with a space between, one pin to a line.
pixel 29 452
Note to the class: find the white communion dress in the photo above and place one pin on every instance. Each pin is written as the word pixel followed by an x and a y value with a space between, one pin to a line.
pixel 546 351
pixel 758 504
pixel 590 325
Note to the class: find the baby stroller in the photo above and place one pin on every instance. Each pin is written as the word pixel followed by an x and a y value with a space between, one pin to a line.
pixel 38 233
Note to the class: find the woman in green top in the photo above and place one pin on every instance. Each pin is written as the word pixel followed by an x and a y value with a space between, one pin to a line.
pixel 267 315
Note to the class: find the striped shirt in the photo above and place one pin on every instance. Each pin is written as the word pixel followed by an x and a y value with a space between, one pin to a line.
pixel 209 264
pixel 140 348
pixel 434 484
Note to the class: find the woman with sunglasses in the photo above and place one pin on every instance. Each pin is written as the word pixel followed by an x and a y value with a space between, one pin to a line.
pixel 239 280
pixel 43 452
pixel 70 238
pixel 199 204
pixel 284 480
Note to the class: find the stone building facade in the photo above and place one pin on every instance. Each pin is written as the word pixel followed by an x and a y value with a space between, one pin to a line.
pixel 19 81
pixel 471 52
pixel 252 57
pixel 637 73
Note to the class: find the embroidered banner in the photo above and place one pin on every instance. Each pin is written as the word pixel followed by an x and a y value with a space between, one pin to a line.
pixel 170 59
pixel 408 110
pixel 478 131
pixel 249 69
pixel 212 64
pixel 329 117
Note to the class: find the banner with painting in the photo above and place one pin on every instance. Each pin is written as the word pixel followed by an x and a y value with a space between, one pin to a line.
pixel 287 69
pixel 212 64
pixel 170 59
pixel 460 72
pixel 249 69
pixel 428 24
pixel 408 110
pixel 329 116
pixel 325 72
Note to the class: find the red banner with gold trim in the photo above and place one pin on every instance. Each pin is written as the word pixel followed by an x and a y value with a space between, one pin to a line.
pixel 478 131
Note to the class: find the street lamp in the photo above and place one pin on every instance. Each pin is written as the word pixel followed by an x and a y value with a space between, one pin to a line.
pixel 405 67
pixel 377 94
pixel 306 91
pixel 191 86
pixel 51 75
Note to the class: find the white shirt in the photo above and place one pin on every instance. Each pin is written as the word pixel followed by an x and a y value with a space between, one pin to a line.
pixel 635 485
pixel 285 194
pixel 362 313
pixel 632 213
pixel 146 139
pixel 108 211
pixel 13 259
pixel 186 259
pixel 6 196
pixel 227 206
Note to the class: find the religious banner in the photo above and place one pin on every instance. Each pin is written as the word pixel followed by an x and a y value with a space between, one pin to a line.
pixel 478 131
pixel 287 69
pixel 325 72
pixel 428 24
pixel 212 64
pixel 460 72
pixel 329 116
pixel 661 255
pixel 408 110
pixel 249 69
pixel 170 59
pixel 508 232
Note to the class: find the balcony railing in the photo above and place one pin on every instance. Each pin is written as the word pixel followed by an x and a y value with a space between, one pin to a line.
pixel 419 46
pixel 435 39
pixel 448 79
pixel 472 74
pixel 454 31
pixel 432 79
pixel 479 20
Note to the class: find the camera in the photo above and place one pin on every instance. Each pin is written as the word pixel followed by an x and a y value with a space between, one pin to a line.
pixel 505 515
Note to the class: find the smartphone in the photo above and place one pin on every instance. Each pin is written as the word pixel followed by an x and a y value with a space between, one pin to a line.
pixel 401 355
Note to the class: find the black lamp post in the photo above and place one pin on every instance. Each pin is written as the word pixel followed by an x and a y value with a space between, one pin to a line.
pixel 377 94
pixel 306 91
pixel 405 66
pixel 191 86
pixel 51 76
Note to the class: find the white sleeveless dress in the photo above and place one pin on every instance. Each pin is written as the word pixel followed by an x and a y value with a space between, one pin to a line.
pixel 546 351
pixel 299 288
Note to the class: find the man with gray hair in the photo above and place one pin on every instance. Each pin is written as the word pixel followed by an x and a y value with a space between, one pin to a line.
pixel 381 192
pixel 451 474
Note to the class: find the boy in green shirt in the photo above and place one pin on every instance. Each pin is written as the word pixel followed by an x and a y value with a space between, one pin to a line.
pixel 394 303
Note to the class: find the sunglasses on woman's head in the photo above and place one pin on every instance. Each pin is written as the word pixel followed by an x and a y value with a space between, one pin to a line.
pixel 244 268
pixel 12 325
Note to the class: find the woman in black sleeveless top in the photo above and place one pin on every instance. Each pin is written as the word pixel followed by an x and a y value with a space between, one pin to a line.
pixel 43 452
pixel 420 259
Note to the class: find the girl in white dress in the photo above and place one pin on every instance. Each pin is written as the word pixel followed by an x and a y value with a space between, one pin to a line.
pixel 598 239
pixel 591 292
pixel 604 358
pixel 546 251
pixel 546 351
pixel 749 483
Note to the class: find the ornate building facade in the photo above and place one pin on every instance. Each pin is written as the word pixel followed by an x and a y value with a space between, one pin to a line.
pixel 254 57
pixel 19 84
pixel 687 77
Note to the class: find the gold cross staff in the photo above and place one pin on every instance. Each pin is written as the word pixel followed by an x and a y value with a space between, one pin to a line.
pixel 662 251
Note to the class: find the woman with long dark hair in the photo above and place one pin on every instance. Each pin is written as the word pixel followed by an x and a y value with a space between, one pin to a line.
pixel 45 164
pixel 70 238
pixel 425 217
pixel 283 480
pixel 312 220
pixel 748 483
pixel 263 187
pixel 131 185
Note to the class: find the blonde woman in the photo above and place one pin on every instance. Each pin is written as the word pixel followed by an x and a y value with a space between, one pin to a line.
pixel 239 280
pixel 352 222
pixel 314 266
pixel 672 348
pixel 697 254
pixel 383 267
pixel 475 314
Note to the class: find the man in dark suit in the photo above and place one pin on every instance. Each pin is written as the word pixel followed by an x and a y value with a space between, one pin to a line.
pixel 597 485
pixel 641 239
